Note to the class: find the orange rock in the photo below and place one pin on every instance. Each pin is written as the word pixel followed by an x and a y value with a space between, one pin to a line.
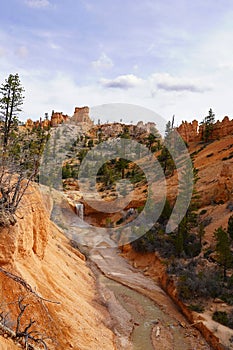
pixel 192 132
pixel 58 118
pixel 81 115
pixel 38 252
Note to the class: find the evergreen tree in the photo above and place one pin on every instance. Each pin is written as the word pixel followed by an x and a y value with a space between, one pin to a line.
pixel 11 100
pixel 166 213
pixel 189 178
pixel 165 157
pixel 121 165
pixel 168 129
pixel 179 243
pixel 188 223
pixel 208 123
pixel 224 255
pixel 230 227
pixel 66 171
pixel 151 139
pixel 201 233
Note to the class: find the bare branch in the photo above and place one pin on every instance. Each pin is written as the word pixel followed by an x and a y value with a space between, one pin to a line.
pixel 27 286
pixel 22 308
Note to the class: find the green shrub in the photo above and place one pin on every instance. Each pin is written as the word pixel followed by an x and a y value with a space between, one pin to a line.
pixel 207 253
pixel 197 308
pixel 192 285
pixel 203 211
pixel 221 317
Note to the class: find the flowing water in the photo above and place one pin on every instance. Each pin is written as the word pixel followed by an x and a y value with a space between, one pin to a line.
pixel 146 315
pixel 132 290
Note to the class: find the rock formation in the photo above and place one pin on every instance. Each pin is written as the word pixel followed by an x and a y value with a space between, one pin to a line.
pixel 148 127
pixel 192 132
pixel 189 131
pixel 58 118
pixel 81 115
pixel 29 124
pixel 37 251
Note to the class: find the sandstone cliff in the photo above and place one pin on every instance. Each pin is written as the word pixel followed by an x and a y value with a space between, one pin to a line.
pixel 192 132
pixel 38 252
pixel 80 116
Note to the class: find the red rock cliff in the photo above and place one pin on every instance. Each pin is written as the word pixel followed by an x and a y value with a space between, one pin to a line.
pixel 37 251
pixel 192 132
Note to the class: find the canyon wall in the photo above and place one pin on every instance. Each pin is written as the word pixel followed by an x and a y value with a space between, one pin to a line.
pixel 192 132
pixel 40 255
pixel 154 267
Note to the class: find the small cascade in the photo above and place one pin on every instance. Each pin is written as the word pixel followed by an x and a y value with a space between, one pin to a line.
pixel 130 212
pixel 79 210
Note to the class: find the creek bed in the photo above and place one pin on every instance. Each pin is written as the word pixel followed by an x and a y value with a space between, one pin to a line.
pixel 146 316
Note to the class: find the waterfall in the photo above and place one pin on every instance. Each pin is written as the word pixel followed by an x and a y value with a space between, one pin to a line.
pixel 130 212
pixel 79 210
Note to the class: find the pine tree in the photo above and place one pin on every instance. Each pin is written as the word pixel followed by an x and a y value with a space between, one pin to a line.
pixel 121 165
pixel 230 227
pixel 11 100
pixel 201 233
pixel 179 243
pixel 208 123
pixel 189 178
pixel 187 224
pixel 151 139
pixel 224 255
pixel 165 157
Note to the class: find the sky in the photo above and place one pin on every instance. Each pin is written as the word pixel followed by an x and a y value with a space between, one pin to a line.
pixel 173 57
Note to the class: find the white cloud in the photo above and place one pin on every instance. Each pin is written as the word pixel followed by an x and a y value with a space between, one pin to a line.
pixel 226 65
pixel 122 82
pixel 22 52
pixel 103 62
pixel 37 3
pixel 167 82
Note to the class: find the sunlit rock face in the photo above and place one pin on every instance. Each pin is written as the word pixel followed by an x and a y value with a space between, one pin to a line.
pixel 81 115
pixel 192 132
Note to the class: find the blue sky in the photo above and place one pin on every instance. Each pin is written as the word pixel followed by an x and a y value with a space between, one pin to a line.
pixel 174 57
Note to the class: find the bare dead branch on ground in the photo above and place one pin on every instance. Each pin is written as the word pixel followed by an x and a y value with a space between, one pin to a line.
pixel 27 286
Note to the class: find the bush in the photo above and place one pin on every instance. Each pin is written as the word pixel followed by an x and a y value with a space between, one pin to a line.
pixel 207 221
pixel 203 211
pixel 193 285
pixel 66 171
pixel 207 253
pixel 155 240
pixel 220 317
pixel 197 308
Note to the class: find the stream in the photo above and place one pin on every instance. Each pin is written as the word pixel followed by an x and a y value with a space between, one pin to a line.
pixel 145 317
pixel 142 315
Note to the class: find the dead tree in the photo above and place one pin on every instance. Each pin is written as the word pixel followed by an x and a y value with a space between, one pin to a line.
pixel 29 337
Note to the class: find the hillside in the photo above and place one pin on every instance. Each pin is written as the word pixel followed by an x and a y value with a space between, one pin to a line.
pixel 36 251
pixel 45 273
pixel 215 185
